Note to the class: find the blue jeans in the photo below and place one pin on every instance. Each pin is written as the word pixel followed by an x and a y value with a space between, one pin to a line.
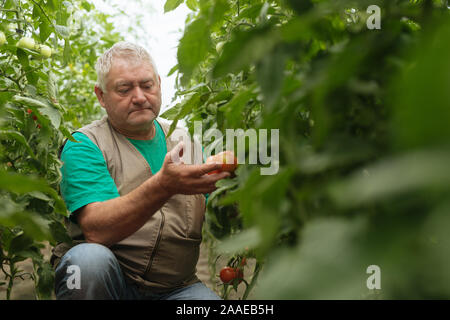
pixel 91 271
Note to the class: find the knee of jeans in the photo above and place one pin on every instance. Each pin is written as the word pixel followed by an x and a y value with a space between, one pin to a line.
pixel 90 258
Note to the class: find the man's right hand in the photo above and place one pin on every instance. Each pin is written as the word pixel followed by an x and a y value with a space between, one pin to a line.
pixel 175 177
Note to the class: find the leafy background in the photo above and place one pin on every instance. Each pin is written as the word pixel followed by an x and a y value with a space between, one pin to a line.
pixel 362 116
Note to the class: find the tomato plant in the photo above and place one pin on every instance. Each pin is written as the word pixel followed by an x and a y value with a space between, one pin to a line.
pixel 362 177
pixel 48 51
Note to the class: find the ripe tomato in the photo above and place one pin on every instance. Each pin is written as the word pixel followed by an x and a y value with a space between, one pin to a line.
pixel 226 158
pixel 29 111
pixel 227 274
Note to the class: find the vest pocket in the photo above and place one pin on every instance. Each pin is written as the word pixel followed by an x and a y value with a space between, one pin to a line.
pixel 195 215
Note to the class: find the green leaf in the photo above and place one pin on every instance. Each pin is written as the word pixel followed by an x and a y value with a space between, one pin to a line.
pixel 20 243
pixel 30 102
pixel 193 48
pixel 222 186
pixel 52 89
pixel 249 238
pixel 192 4
pixel 59 232
pixel 270 74
pixel 23 57
pixel 53 114
pixel 235 107
pixel 246 48
pixel 67 134
pixel 67 52
pixel 39 195
pixel 185 108
pixel 18 183
pixel 393 176
pixel 45 30
pixel 172 5
pixel 45 284
pixel 86 5
pixel 172 71
pixel 171 113
pixel 15 135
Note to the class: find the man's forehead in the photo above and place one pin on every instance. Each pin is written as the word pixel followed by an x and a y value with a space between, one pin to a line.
pixel 120 81
pixel 120 67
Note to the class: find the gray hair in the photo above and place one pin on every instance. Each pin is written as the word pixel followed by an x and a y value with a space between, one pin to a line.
pixel 123 49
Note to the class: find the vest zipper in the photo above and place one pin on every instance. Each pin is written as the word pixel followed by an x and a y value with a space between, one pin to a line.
pixel 156 244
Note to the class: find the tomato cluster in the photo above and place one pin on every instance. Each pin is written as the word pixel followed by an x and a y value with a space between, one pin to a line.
pixel 229 274
pixel 233 273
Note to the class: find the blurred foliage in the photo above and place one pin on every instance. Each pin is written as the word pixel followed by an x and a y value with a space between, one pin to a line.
pixel 43 98
pixel 363 117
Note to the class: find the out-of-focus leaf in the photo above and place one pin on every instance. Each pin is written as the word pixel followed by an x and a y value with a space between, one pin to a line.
pixel 193 47
pixel 245 49
pixel 235 106
pixel 327 265
pixel 420 95
pixel 247 239
pixel 270 74
pixel 172 5
pixel 390 177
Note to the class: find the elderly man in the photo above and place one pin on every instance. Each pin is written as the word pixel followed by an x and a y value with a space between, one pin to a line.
pixel 136 214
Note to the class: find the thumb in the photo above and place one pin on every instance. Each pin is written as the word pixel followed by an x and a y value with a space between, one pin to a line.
pixel 177 152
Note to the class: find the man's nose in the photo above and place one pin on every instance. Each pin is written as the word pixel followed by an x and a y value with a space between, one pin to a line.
pixel 138 96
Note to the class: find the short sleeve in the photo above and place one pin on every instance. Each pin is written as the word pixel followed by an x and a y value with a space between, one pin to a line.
pixel 85 175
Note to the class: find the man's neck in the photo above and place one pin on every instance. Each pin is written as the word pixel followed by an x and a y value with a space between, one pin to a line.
pixel 145 134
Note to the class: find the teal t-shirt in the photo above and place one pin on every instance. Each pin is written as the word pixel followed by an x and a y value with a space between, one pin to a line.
pixel 85 175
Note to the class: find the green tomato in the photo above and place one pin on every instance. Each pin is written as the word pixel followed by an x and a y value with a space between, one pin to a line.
pixel 2 38
pixel 27 43
pixel 45 51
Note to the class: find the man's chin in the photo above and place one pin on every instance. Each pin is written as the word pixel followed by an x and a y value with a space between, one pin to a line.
pixel 141 117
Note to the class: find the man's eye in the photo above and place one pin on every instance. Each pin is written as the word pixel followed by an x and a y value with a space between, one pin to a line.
pixel 123 91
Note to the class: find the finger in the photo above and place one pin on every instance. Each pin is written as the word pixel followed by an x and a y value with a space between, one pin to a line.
pixel 202 169
pixel 177 152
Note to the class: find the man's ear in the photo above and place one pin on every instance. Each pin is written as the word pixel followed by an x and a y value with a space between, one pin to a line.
pixel 99 93
pixel 159 81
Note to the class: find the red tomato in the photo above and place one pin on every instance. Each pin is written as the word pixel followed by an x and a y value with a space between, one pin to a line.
pixel 226 158
pixel 227 275
pixel 29 111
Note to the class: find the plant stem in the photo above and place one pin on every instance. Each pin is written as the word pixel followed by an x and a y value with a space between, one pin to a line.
pixel 258 267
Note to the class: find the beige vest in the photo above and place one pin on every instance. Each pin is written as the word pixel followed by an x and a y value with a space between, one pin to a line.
pixel 163 253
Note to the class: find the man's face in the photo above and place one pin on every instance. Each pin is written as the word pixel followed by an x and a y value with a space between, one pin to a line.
pixel 133 95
